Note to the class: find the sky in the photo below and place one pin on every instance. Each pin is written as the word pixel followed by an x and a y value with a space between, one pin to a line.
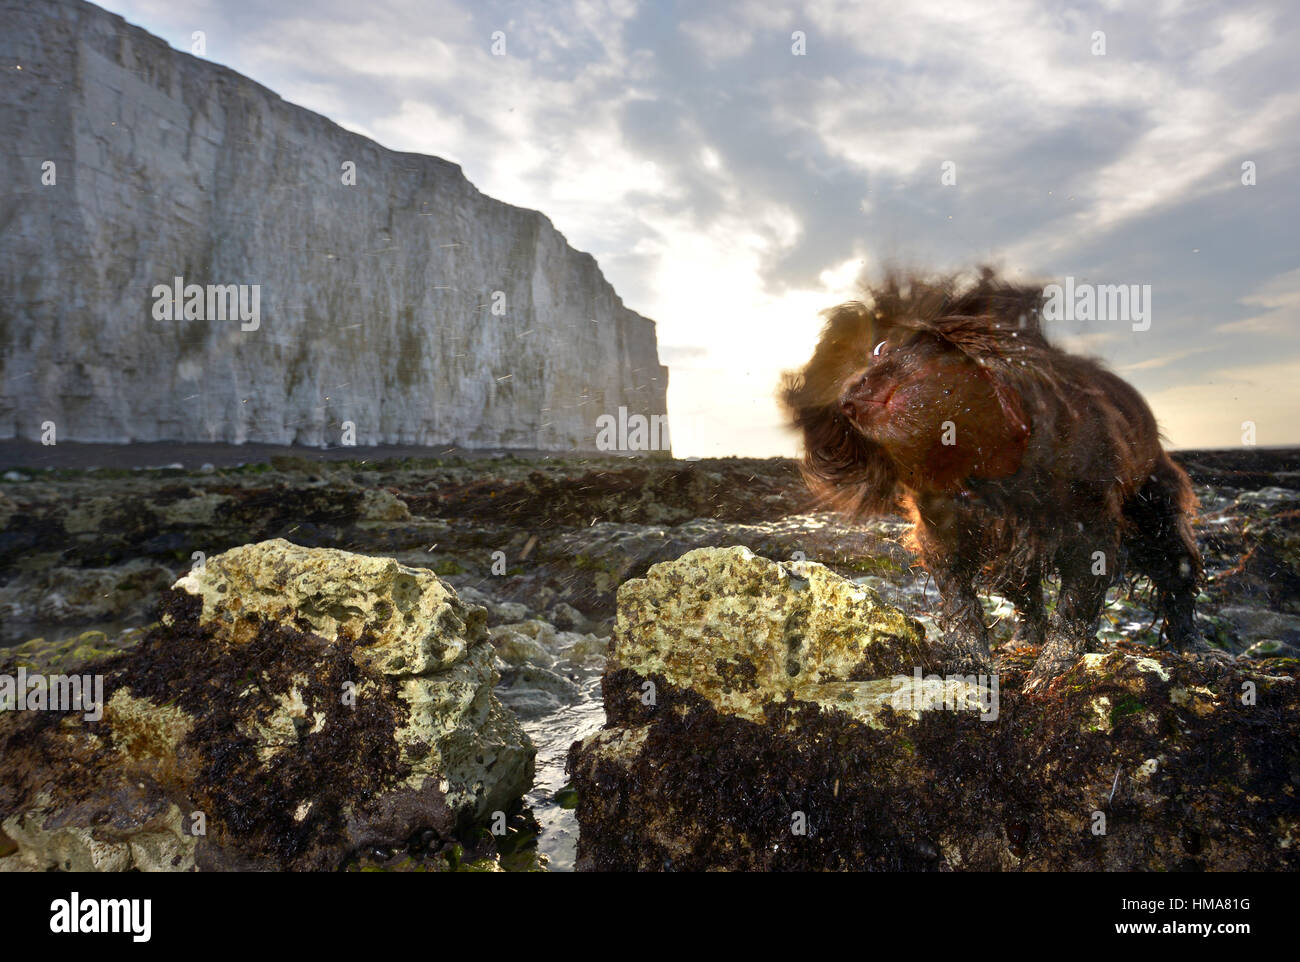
pixel 736 167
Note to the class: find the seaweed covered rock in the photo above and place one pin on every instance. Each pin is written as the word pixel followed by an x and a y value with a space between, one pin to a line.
pixel 294 708
pixel 765 715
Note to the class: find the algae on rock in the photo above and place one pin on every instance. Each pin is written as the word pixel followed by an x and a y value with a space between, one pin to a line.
pixel 752 724
pixel 293 707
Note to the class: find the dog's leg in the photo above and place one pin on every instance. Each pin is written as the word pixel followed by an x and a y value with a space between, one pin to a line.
pixel 1175 569
pixel 1163 548
pixel 1088 566
pixel 965 635
pixel 1031 617
pixel 950 550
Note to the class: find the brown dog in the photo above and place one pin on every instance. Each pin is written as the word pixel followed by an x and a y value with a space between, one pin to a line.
pixel 1013 458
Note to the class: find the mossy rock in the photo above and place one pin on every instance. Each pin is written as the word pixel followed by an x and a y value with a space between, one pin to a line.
pixel 78 651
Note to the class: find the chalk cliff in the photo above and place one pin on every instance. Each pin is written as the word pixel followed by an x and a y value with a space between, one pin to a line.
pixel 408 304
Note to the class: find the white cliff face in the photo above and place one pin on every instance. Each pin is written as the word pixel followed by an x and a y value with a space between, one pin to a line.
pixel 376 300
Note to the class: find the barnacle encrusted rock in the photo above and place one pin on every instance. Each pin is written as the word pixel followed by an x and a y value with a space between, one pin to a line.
pixel 417 622
pixel 742 631
pixel 757 719
pixel 294 706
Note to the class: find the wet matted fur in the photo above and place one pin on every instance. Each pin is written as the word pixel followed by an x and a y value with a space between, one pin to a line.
pixel 1013 458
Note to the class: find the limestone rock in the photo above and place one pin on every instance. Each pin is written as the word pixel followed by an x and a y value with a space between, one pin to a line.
pixel 373 296
pixel 741 630
pixel 73 596
pixel 300 705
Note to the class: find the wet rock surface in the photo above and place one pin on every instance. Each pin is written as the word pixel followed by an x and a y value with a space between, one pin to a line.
pixel 728 625
pixel 713 757
pixel 79 549
pixel 294 708
pixel 85 554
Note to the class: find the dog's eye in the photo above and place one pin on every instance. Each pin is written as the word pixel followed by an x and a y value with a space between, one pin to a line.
pixel 879 347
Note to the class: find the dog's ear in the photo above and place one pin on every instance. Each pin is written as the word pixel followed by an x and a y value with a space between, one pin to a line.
pixel 845 471
pixel 843 349
pixel 1008 435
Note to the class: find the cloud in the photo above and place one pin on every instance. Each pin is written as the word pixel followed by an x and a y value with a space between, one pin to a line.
pixel 1240 34
pixel 1164 360
pixel 1280 300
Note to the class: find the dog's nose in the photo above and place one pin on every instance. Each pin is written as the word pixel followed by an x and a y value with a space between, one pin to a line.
pixel 851 398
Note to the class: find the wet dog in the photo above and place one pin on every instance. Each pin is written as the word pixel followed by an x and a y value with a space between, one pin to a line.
pixel 1013 458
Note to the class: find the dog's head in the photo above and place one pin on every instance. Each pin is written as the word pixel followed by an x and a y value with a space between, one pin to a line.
pixel 912 390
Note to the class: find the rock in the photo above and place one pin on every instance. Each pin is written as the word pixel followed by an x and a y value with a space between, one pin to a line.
pixel 1260 624
pixel 472 596
pixel 507 612
pixel 1271 566
pixel 742 630
pixel 538 630
pixel 537 643
pixel 530 703
pixel 755 721
pixel 530 686
pixel 636 492
pixel 540 679
pixel 370 294
pixel 303 704
pixel 78 596
pixel 68 654
pixel 378 504
pixel 566 617
pixel 1272 649
pixel 517 648
pixel 584 649
pixel 1269 497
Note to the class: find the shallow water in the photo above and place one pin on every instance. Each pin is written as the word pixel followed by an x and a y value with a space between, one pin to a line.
pixel 553 734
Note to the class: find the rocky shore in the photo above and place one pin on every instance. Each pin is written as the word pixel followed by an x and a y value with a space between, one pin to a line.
pixel 544 560
pixel 774 716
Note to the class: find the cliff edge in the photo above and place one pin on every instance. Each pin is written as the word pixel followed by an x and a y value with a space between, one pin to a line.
pixel 402 308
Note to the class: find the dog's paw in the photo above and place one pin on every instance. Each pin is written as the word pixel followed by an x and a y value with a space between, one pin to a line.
pixel 1057 657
